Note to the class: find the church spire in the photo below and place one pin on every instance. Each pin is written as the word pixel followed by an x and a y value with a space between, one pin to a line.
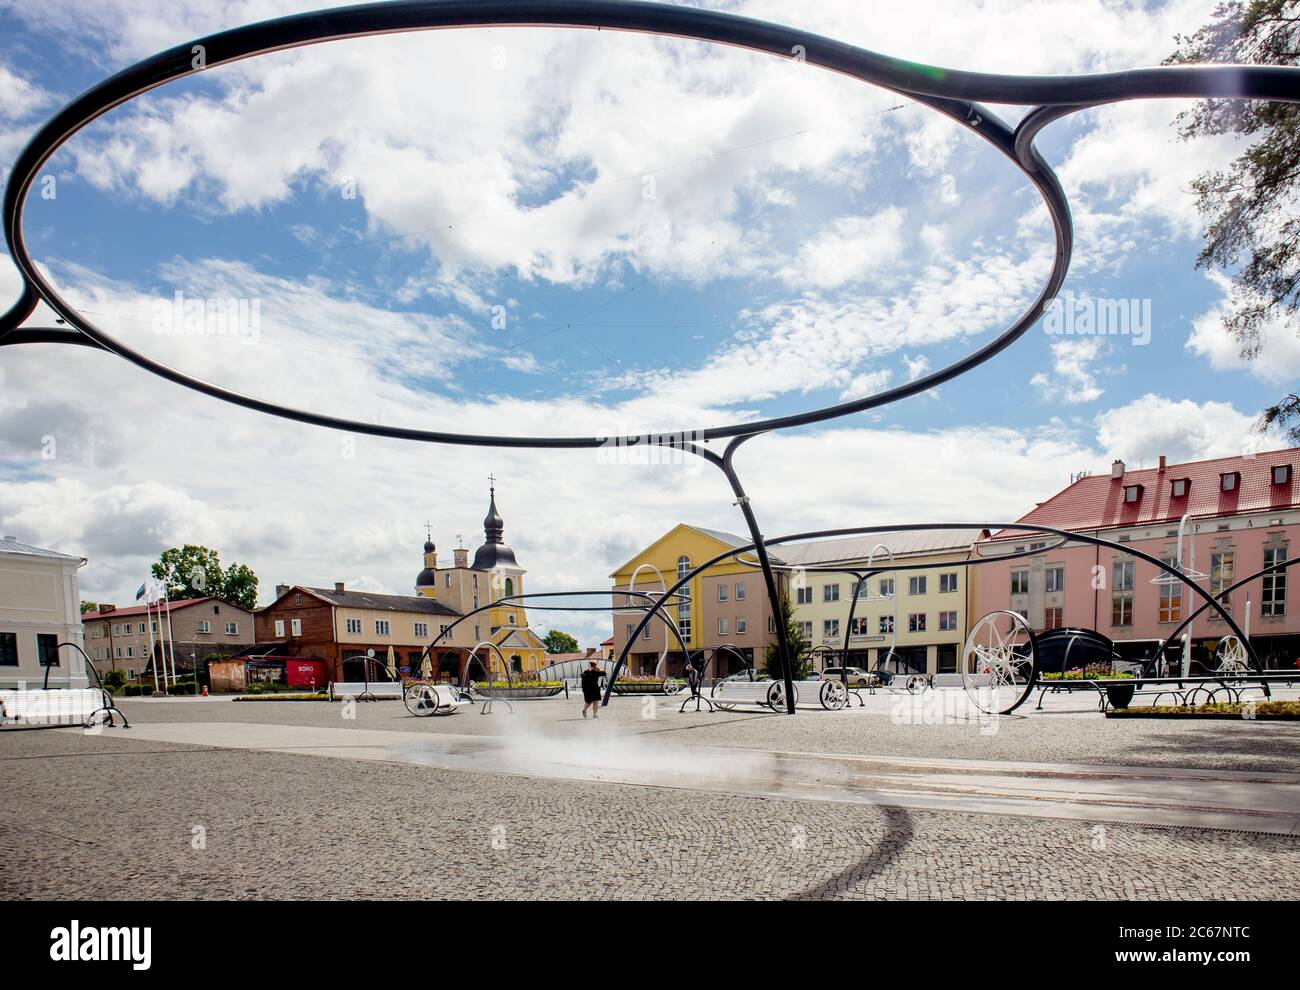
pixel 493 525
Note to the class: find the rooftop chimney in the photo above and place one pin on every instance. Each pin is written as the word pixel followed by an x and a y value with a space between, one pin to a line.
pixel 280 590
pixel 338 587
pixel 1117 469
pixel 1163 462
pixel 105 607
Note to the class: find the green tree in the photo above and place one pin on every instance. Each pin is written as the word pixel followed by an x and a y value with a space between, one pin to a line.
pixel 799 646
pixel 560 642
pixel 193 571
pixel 239 586
pixel 89 607
pixel 1252 226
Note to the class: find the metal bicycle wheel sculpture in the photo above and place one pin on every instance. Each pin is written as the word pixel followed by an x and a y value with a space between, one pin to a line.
pixel 999 663
pixel 1231 656
pixel 958 95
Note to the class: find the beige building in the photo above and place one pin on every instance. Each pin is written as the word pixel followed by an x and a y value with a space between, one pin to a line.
pixel 40 603
pixel 921 615
pixel 122 638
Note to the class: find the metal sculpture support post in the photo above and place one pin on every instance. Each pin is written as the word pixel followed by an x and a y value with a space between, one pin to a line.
pixel 960 96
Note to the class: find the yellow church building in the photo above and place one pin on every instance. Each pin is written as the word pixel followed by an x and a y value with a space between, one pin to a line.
pixel 488 582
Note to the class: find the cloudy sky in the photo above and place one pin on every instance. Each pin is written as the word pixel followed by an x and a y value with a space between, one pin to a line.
pixel 543 232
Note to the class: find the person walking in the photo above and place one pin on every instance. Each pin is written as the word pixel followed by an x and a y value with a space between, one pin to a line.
pixel 591 678
pixel 693 679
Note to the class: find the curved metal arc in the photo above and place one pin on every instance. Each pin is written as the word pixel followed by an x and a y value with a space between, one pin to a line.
pixel 1226 591
pixel 372 19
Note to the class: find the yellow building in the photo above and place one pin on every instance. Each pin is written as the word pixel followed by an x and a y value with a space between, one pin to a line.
pixel 727 605
pixel 921 615
pixel 494 576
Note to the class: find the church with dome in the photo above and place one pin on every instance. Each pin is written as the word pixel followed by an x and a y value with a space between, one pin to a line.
pixel 490 581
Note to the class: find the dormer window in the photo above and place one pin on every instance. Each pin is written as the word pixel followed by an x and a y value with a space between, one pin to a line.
pixel 1132 494
pixel 1282 474
pixel 1229 482
pixel 1179 487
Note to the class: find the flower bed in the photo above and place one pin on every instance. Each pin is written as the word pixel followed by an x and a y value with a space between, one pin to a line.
pixel 519 690
pixel 1261 711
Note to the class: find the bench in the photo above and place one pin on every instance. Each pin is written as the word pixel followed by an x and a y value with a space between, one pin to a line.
pixel 363 691
pixel 59 706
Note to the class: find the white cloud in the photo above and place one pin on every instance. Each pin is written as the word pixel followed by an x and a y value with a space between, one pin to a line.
pixel 1279 355
pixel 1073 379
pixel 1183 430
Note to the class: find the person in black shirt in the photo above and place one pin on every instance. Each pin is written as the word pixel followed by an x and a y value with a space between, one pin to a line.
pixel 591 678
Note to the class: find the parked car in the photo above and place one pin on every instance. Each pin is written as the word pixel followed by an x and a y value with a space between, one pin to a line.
pixel 857 677
pixel 745 675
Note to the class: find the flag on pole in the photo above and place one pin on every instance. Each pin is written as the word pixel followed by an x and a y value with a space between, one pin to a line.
pixel 140 594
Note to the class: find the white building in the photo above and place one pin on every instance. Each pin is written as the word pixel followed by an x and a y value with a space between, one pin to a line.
pixel 40 607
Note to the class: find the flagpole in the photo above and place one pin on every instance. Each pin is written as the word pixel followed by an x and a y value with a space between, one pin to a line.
pixel 171 641
pixel 148 618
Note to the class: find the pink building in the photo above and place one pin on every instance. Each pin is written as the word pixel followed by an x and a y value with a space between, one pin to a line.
pixel 1243 514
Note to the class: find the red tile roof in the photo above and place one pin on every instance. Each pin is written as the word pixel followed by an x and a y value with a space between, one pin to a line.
pixel 126 613
pixel 1097 502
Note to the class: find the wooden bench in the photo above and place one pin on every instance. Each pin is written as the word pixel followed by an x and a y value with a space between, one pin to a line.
pixel 363 691
pixel 59 706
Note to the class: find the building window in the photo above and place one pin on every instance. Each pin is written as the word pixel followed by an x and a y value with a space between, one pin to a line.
pixel 947 621
pixel 1053 618
pixel 830 592
pixel 1171 597
pixel 129 654
pixel 47 649
pixel 916 622
pixel 886 625
pixel 645 633
pixel 1132 494
pixel 118 652
pixel 722 626
pixel 1282 474
pixel 446 580
pixel 806 628
pixel 886 587
pixel 204 626
pixel 722 592
pixel 916 585
pixel 629 632
pixel 742 626
pixel 381 627
pixel 803 596
pixel 354 628
pixel 860 627
pixel 830 628
pixel 232 628
pixel 297 599
pixel 1179 487
pixel 1056 578
pixel 421 630
pixel 9 649
pixel 740 591
pixel 947 583
pixel 1273 602
pixel 1020 582
pixel 1222 566
pixel 683 566
pixel 1229 482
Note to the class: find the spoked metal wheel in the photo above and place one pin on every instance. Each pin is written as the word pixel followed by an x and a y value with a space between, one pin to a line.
pixel 999 663
pixel 1231 656
pixel 776 696
pixel 834 695
pixel 672 687
pixel 421 700
pixel 917 684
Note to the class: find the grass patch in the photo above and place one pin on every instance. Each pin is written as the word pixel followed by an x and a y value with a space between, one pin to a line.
pixel 282 697
pixel 1272 711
